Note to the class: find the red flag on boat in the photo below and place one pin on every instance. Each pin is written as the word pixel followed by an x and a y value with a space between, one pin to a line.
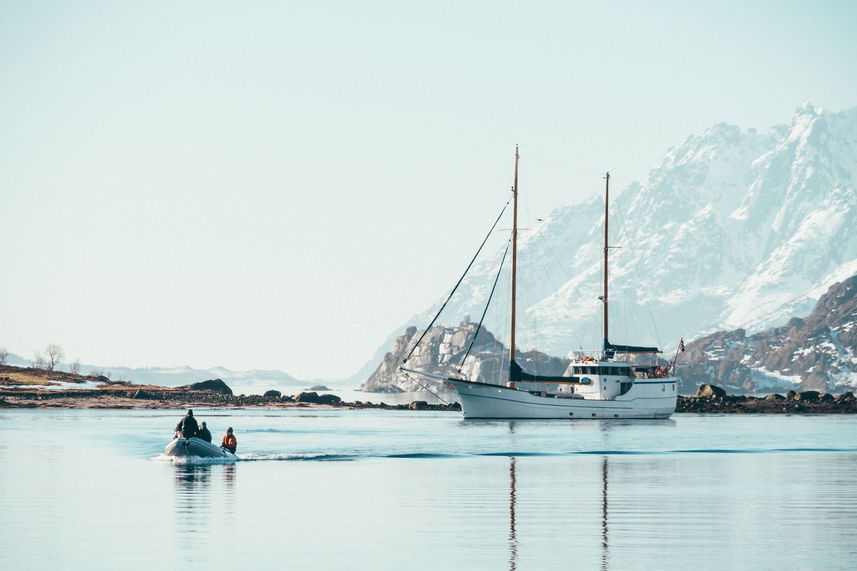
pixel 681 345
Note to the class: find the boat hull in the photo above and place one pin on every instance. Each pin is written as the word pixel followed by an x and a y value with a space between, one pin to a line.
pixel 649 399
pixel 196 447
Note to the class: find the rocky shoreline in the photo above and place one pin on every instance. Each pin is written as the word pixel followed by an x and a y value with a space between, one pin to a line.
pixel 712 399
pixel 168 398
pixel 37 388
pixel 808 402
pixel 32 388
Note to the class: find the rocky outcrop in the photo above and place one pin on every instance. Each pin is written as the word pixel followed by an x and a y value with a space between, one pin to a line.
pixel 442 351
pixel 811 402
pixel 214 385
pixel 818 353
pixel 710 391
pixel 315 398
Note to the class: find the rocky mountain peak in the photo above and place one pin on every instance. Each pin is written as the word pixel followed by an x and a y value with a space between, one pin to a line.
pixel 442 351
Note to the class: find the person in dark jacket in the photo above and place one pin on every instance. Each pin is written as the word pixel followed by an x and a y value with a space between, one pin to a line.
pixel 187 427
pixel 204 433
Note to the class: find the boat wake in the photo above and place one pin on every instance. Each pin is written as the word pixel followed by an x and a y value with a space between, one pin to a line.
pixel 346 457
pixel 297 457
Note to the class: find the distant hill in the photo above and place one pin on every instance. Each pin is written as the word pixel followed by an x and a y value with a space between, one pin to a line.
pixel 247 382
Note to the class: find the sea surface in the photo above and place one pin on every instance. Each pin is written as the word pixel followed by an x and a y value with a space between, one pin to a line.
pixel 370 489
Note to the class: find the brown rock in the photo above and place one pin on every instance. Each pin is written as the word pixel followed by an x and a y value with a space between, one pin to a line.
pixel 808 396
pixel 709 391
pixel 214 385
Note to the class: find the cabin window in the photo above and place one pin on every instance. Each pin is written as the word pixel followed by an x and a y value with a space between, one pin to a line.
pixel 625 386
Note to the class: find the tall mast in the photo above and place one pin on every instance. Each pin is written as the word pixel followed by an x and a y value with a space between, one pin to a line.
pixel 514 256
pixel 606 246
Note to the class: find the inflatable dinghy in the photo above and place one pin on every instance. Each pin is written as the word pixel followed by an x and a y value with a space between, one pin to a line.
pixel 186 447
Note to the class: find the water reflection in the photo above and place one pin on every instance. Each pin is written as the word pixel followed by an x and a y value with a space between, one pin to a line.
pixel 203 494
pixel 513 531
pixel 604 513
pixel 190 476
pixel 513 538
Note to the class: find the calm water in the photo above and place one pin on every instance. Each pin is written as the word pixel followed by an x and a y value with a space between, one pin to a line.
pixel 410 490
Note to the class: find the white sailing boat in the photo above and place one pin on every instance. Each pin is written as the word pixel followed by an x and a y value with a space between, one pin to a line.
pixel 603 384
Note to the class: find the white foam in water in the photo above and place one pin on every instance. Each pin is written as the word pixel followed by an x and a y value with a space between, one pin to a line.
pixel 194 460
pixel 297 456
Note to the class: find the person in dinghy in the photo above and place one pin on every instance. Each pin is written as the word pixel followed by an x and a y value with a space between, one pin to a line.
pixel 187 426
pixel 229 443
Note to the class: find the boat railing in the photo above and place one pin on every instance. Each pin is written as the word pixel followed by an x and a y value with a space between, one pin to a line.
pixel 586 356
pixel 651 371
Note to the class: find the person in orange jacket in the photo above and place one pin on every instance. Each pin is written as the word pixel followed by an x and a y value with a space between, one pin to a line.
pixel 229 441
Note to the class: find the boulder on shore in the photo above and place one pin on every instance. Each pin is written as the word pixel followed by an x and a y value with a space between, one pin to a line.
pixel 315 398
pixel 214 386
pixel 708 391
pixel 273 394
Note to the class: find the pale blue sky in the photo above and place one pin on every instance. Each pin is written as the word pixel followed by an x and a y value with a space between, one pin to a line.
pixel 281 184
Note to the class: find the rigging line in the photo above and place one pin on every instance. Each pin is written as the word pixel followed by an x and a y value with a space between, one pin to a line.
pixel 405 360
pixel 437 396
pixel 654 325
pixel 484 311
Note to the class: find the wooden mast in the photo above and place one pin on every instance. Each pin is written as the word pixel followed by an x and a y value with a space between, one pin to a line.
pixel 606 246
pixel 514 264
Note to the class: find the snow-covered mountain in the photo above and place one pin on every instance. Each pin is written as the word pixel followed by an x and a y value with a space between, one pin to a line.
pixel 732 229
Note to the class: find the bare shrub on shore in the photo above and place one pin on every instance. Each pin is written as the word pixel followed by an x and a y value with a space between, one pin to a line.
pixel 75 367
pixel 39 361
pixel 54 354
pixel 3 355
